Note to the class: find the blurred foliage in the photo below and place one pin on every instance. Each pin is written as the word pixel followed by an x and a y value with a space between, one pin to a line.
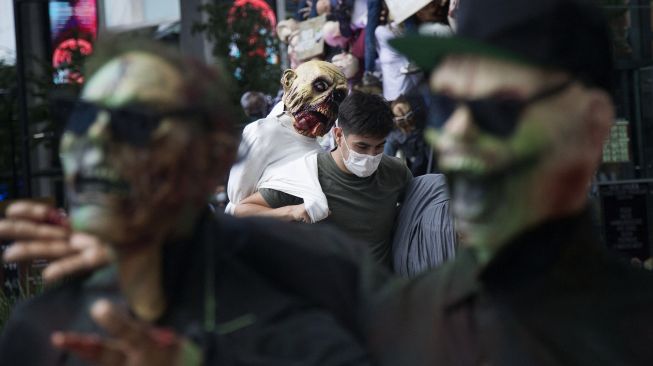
pixel 246 40
pixel 9 298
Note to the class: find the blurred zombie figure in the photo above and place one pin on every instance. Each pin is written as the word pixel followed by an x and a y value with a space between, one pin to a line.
pixel 145 146
pixel 527 87
pixel 312 94
pixel 406 141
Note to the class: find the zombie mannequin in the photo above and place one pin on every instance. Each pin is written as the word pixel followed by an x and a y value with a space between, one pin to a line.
pixel 312 94
pixel 142 151
pixel 528 109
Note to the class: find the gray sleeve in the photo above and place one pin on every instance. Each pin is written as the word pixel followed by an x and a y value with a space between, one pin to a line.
pixel 408 177
pixel 278 199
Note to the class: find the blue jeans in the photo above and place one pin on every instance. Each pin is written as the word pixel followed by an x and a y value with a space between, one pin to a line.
pixel 302 5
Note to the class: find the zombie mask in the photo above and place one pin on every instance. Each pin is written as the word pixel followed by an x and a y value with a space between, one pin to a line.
pixel 125 152
pixel 312 95
pixel 514 145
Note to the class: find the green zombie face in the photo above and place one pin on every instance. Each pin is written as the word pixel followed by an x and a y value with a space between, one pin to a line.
pixel 505 179
pixel 125 152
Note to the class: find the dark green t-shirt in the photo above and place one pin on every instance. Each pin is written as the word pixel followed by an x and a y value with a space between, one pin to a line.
pixel 364 208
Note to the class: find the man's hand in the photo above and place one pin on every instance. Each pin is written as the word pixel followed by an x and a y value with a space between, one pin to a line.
pixel 298 213
pixel 43 232
pixel 132 342
pixel 306 11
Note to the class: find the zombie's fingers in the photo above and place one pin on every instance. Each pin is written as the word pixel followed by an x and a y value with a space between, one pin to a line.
pixel 29 250
pixel 36 212
pixel 23 229
pixel 28 210
pixel 80 262
pixel 118 324
pixel 132 342
pixel 90 348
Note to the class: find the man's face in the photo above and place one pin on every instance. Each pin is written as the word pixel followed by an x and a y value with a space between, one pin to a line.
pixel 127 181
pixel 435 12
pixel 503 185
pixel 365 145
pixel 323 7
pixel 312 94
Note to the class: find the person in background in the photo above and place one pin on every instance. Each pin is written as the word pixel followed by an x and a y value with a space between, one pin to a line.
pixel 406 141
pixel 255 105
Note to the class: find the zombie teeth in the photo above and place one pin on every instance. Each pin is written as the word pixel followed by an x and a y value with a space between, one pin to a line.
pixel 101 173
pixel 463 163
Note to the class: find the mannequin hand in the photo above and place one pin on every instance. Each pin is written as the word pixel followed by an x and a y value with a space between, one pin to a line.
pixel 131 342
pixel 43 232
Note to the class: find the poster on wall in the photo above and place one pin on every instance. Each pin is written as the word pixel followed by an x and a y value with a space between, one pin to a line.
pixel 401 10
pixel 310 42
pixel 73 29
pixel 626 217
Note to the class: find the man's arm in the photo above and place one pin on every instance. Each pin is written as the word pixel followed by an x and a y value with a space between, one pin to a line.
pixel 285 208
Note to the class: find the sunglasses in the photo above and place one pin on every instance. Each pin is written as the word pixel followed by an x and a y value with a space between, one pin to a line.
pixel 405 118
pixel 133 124
pixel 495 115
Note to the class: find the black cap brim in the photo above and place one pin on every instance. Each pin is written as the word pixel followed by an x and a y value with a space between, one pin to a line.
pixel 428 51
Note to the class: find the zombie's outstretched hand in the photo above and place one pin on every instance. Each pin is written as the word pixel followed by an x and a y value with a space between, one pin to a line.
pixel 43 232
pixel 132 343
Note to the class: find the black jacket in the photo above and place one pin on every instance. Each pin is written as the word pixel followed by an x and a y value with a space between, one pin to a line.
pixel 258 322
pixel 551 297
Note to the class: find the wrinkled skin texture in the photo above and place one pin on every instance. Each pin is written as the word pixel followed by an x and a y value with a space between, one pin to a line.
pixel 131 196
pixel 501 187
pixel 312 95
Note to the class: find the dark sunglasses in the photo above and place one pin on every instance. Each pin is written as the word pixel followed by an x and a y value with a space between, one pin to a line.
pixel 133 124
pixel 405 118
pixel 495 115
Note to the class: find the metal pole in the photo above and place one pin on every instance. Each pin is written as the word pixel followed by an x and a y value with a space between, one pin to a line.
pixel 283 49
pixel 23 113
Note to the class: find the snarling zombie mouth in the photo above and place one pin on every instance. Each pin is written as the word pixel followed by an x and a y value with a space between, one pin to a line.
pixel 95 186
pixel 477 190
pixel 316 120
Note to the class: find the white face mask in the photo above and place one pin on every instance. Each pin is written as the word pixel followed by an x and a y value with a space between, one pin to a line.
pixel 360 165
